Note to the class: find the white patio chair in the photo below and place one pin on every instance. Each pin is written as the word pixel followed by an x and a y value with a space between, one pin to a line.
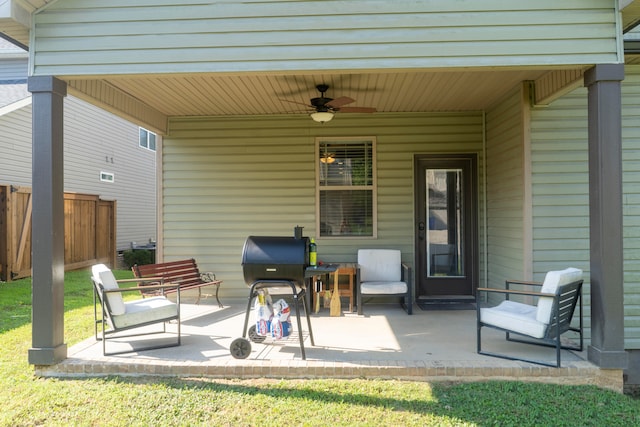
pixel 383 274
pixel 118 315
pixel 540 324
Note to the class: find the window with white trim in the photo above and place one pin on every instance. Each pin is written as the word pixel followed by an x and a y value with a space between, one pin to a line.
pixel 346 183
pixel 107 177
pixel 147 139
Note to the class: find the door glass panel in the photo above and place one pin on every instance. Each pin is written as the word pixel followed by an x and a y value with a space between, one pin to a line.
pixel 444 218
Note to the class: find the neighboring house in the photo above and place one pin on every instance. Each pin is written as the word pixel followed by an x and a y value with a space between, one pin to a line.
pixel 102 152
pixel 487 159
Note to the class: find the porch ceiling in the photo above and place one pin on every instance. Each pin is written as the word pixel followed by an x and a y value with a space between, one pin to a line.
pixel 229 95
pixel 630 14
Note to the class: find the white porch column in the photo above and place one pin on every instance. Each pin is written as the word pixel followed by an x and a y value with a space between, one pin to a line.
pixel 47 227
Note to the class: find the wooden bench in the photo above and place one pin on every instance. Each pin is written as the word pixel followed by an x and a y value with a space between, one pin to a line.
pixel 184 273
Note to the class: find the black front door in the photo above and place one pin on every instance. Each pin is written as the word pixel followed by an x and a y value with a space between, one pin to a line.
pixel 446 226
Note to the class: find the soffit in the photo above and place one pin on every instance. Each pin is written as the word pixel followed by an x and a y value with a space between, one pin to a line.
pixel 226 95
pixel 630 14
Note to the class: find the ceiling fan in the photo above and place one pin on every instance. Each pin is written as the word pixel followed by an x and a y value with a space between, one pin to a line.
pixel 324 108
pixel 328 158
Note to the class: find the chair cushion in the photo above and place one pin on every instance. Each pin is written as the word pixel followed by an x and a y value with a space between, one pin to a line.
pixel 383 288
pixel 382 265
pixel 103 275
pixel 145 310
pixel 552 280
pixel 514 316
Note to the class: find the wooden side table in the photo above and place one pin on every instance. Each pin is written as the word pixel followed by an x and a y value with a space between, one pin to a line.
pixel 344 289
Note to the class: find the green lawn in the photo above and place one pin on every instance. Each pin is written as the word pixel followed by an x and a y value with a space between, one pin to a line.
pixel 28 401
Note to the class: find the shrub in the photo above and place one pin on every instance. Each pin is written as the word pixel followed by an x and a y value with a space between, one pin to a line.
pixel 138 256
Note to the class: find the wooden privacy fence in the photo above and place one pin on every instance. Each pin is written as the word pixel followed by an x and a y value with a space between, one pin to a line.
pixel 89 231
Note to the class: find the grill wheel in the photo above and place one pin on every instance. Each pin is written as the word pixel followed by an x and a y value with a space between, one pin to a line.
pixel 253 335
pixel 240 348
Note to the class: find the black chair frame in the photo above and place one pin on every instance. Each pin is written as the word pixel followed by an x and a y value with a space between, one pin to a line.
pixel 565 300
pixel 100 299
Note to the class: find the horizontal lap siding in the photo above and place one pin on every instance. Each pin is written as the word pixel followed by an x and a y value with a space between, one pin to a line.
pixel 631 204
pixel 226 179
pixel 561 192
pixel 13 69
pixel 77 37
pixel 505 191
pixel 15 143
pixel 561 188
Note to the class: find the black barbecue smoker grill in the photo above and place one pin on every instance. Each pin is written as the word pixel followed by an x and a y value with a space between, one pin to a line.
pixel 279 264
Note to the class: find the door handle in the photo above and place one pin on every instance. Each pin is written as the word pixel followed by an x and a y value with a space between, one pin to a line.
pixel 421 230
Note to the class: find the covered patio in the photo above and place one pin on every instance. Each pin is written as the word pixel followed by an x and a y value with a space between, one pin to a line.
pixel 223 85
pixel 433 345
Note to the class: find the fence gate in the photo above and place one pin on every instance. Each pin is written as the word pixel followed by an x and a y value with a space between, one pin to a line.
pixel 89 231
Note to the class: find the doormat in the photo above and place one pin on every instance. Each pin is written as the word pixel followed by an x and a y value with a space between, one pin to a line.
pixel 445 305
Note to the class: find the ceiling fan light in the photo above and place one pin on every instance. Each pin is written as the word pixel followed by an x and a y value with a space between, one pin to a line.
pixel 322 116
pixel 327 159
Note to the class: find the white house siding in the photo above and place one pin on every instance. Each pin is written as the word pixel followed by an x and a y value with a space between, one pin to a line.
pixel 92 138
pixel 507 257
pixel 80 37
pixel 225 179
pixel 15 147
pixel 13 69
pixel 14 62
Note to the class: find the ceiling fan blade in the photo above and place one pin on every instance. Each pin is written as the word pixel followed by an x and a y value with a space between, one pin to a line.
pixel 357 110
pixel 338 102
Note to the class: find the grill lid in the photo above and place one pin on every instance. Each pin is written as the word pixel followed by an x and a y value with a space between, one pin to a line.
pixel 275 258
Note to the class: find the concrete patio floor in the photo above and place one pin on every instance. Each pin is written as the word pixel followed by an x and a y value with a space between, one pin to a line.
pixel 383 343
